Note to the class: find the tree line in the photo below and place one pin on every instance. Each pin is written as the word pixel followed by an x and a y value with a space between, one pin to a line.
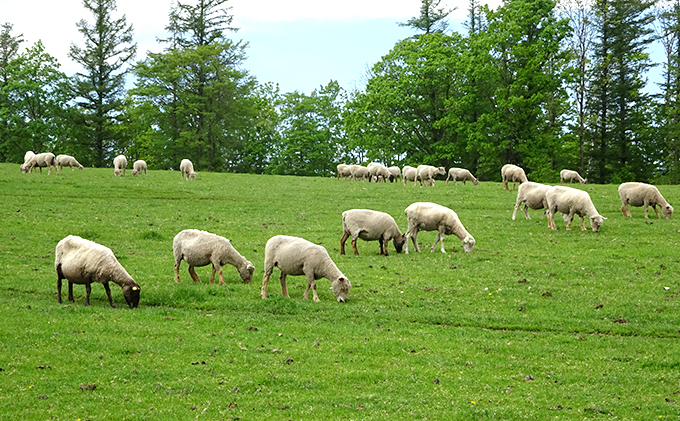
pixel 542 84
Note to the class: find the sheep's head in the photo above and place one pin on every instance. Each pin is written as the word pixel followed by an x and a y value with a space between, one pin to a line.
pixel 468 243
pixel 596 222
pixel 475 181
pixel 340 287
pixel 116 172
pixel 247 273
pixel 399 242
pixel 80 167
pixel 24 168
pixel 131 294
pixel 192 175
pixel 134 172
pixel 667 211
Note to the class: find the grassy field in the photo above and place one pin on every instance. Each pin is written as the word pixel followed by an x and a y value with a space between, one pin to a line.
pixel 533 324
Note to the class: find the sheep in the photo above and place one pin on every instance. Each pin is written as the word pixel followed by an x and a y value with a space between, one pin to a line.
pixel 409 174
pixel 343 171
pixel 68 161
pixel 358 171
pixel 186 167
pixel 533 196
pixel 82 261
pixel 512 173
pixel 423 216
pixel 377 172
pixel 428 172
pixel 119 164
pixel 370 225
pixel 570 176
pixel 41 160
pixel 571 202
pixel 296 256
pixel 639 194
pixel 27 158
pixel 395 173
pixel 201 248
pixel 138 167
pixel 461 174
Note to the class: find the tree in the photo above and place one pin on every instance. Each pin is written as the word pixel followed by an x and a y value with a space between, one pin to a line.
pixel 99 89
pixel 432 18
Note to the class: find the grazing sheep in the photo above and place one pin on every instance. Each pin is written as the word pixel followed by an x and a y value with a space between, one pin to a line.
pixel 370 225
pixel 428 172
pixel 344 171
pixel 186 167
pixel 423 216
pixel 377 172
pixel 639 194
pixel 512 173
pixel 138 167
pixel 81 261
pixel 295 256
pixel 533 196
pixel 358 171
pixel 570 176
pixel 201 248
pixel 41 160
pixel 571 202
pixel 119 164
pixel 409 174
pixel 27 158
pixel 395 173
pixel 461 174
pixel 68 161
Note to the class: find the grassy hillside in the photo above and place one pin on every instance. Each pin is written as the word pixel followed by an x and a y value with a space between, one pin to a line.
pixel 532 324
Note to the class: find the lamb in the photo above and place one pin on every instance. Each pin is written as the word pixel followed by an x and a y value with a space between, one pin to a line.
pixel 119 164
pixel 433 217
pixel 395 173
pixel 358 171
pixel 428 172
pixel 343 171
pixel 186 167
pixel 296 256
pixel 201 248
pixel 68 161
pixel 639 194
pixel 377 172
pixel 572 202
pixel 27 158
pixel 512 173
pixel 81 261
pixel 461 174
pixel 533 196
pixel 570 176
pixel 370 225
pixel 41 160
pixel 138 167
pixel 409 174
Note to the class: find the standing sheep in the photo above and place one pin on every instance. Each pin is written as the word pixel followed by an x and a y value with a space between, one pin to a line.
pixel 512 173
pixel 68 161
pixel 27 158
pixel 570 202
pixel 639 194
pixel 186 167
pixel 138 167
pixel 423 216
pixel 295 256
pixel 461 174
pixel 358 171
pixel 570 176
pixel 377 172
pixel 343 171
pixel 119 164
pixel 409 174
pixel 201 248
pixel 370 225
pixel 533 196
pixel 81 261
pixel 428 172
pixel 41 160
pixel 395 173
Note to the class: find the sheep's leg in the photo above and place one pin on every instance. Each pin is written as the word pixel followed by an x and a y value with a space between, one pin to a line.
pixel 265 281
pixel 646 210
pixel 414 238
pixel 108 293
pixel 60 276
pixel 221 276
pixel 571 219
pixel 440 239
pixel 657 212
pixel 344 238
pixel 88 291
pixel 284 287
pixel 354 246
pixel 177 271
pixel 526 211
pixel 311 283
pixel 192 273
pixel 583 227
pixel 70 292
pixel 212 276
pixel 624 210
pixel 383 247
pixel 551 221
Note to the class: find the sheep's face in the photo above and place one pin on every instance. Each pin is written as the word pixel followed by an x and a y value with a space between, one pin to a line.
pixel 131 294
pixel 596 222
pixel 134 172
pixel 468 244
pixel 667 211
pixel 116 172
pixel 24 169
pixel 399 242
pixel 475 182
pixel 341 288
pixel 247 273
pixel 192 175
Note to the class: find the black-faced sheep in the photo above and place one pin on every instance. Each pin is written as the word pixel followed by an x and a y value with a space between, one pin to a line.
pixel 395 173
pixel 296 257
pixel 186 167
pixel 119 164
pixel 138 167
pixel 41 160
pixel 533 196
pixel 68 161
pixel 81 261
pixel 370 225
pixel 512 173
pixel 461 174
pixel 428 172
pixel 423 216
pixel 641 194
pixel 570 202
pixel 571 176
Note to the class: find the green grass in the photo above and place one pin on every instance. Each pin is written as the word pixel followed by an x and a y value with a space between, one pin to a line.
pixel 423 336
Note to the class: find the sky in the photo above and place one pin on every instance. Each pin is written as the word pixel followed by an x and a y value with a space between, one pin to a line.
pixel 299 44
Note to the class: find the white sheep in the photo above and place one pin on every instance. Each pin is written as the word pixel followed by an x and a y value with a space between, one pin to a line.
pixel 428 172
pixel 570 176
pixel 639 194
pixel 27 158
pixel 533 196
pixel 138 167
pixel 119 164
pixel 395 173
pixel 296 256
pixel 377 172
pixel 358 171
pixel 186 167
pixel 409 174
pixel 201 248
pixel 343 171
pixel 370 225
pixel 68 161
pixel 423 216
pixel 41 160
pixel 512 173
pixel 461 174
pixel 81 261
pixel 570 201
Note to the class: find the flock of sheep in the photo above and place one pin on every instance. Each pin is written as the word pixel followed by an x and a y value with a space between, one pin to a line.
pixel 80 261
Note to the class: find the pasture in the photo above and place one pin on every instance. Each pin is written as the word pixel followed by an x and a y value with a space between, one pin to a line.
pixel 533 324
